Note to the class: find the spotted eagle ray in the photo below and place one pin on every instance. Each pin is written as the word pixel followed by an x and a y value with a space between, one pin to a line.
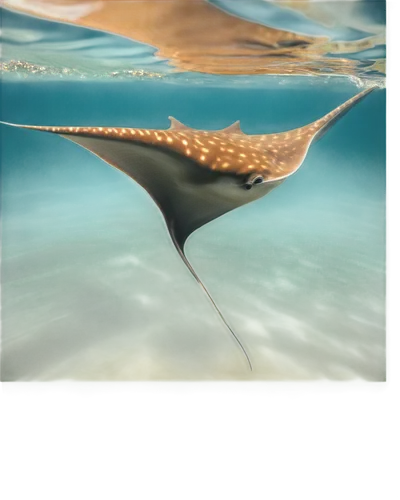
pixel 195 176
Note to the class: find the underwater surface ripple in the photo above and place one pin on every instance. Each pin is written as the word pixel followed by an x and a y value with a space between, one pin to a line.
pixel 327 40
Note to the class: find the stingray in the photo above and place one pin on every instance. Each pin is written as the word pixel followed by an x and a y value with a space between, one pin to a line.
pixel 195 176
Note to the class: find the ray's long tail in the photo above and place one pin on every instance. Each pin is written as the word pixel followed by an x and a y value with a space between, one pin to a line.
pixel 205 290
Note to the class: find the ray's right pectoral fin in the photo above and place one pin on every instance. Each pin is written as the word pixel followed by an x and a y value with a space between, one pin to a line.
pixel 324 124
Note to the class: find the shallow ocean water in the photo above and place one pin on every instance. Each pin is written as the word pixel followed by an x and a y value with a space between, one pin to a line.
pixel 88 270
pixel 92 288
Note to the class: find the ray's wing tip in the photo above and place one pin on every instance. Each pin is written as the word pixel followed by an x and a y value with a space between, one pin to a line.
pixel 10 124
pixel 370 89
pixel 20 125
pixel 28 127
pixel 361 95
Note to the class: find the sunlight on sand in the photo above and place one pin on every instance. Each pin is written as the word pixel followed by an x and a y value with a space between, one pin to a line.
pixel 116 305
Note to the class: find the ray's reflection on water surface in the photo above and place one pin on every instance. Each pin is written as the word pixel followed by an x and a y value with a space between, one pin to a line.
pixel 221 37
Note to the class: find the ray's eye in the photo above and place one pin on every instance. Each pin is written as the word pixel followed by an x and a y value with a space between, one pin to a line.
pixel 253 180
pixel 258 180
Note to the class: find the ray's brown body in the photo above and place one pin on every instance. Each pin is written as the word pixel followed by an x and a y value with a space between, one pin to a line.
pixel 195 176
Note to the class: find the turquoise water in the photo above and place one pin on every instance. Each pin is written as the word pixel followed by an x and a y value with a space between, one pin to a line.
pixel 92 287
pixel 87 264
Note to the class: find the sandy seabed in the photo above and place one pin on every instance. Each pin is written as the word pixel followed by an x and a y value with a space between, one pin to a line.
pixel 108 300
